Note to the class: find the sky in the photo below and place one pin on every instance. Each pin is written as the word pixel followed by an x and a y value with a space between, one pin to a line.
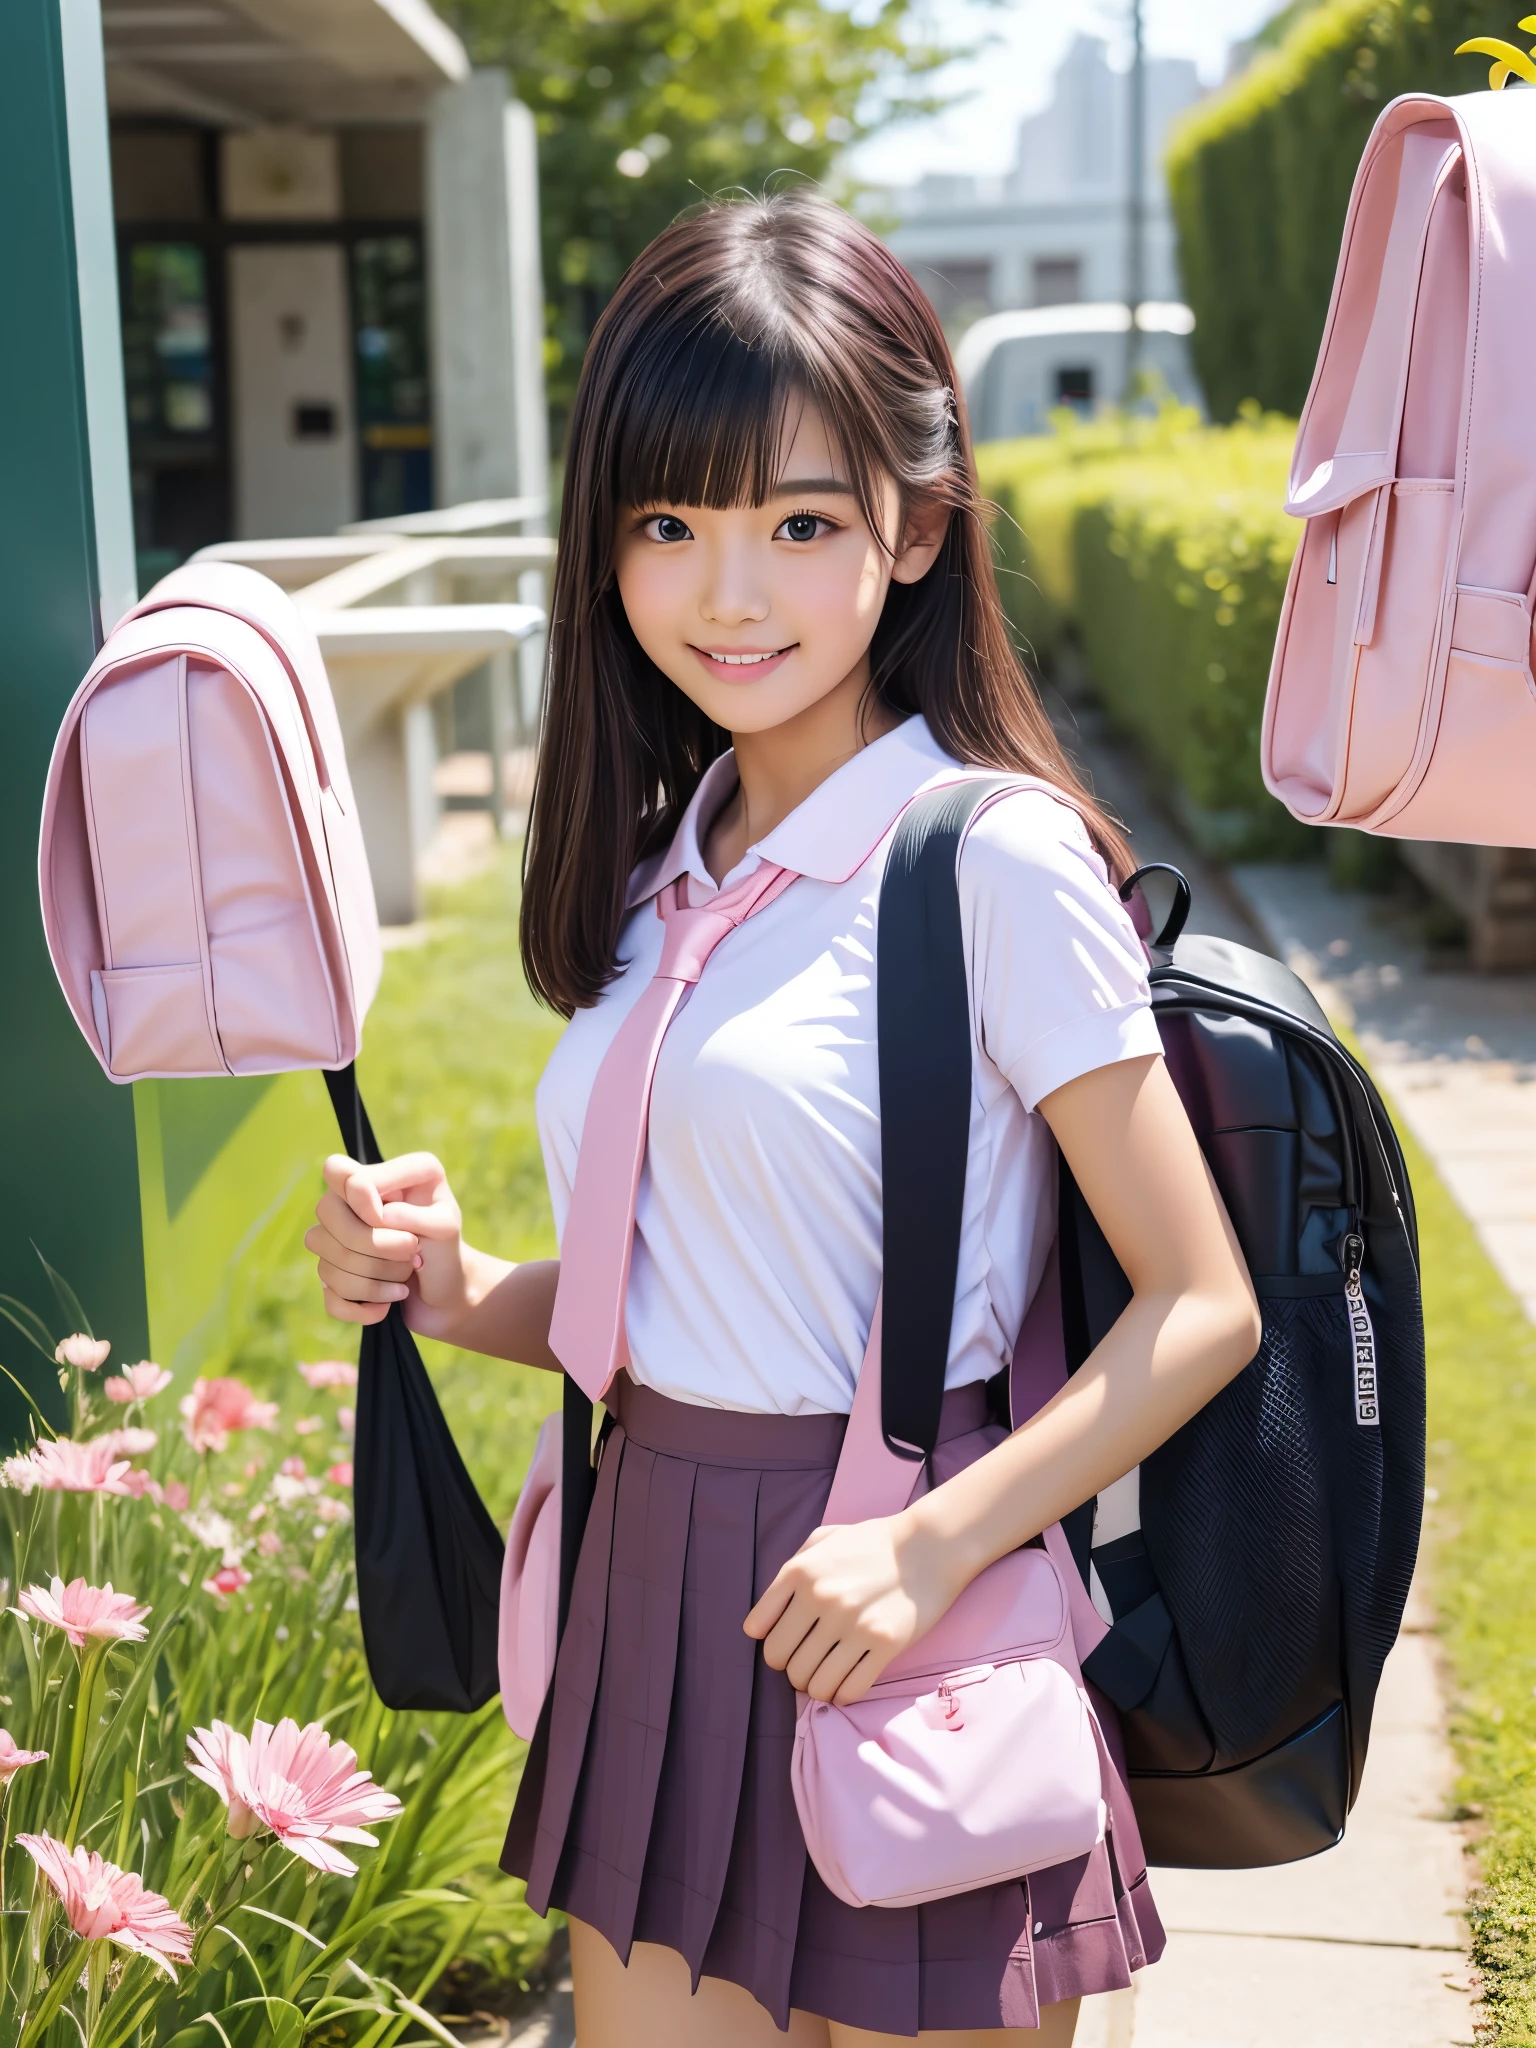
pixel 1011 77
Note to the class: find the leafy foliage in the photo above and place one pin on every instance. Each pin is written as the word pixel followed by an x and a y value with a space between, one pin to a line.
pixel 699 96
pixel 1162 546
pixel 281 1952
pixel 1260 177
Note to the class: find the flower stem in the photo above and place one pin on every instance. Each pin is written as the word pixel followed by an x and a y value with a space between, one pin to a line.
pixel 91 1661
pixel 53 1998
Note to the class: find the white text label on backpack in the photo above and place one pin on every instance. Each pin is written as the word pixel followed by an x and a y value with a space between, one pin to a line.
pixel 1362 1337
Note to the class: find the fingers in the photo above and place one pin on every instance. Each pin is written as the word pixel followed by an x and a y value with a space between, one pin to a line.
pixel 339 1280
pixel 768 1609
pixel 346 1311
pixel 416 1177
pixel 337 1233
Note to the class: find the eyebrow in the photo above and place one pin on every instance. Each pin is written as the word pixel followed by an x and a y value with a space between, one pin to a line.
pixel 809 486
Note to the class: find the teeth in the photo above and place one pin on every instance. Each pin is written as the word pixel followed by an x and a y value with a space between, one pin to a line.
pixel 746 660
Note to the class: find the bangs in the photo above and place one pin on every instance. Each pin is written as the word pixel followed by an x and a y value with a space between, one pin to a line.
pixel 701 417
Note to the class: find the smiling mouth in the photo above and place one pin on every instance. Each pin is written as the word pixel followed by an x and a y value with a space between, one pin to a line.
pixel 743 660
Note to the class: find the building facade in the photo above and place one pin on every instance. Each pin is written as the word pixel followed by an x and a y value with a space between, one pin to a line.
pixel 1053 231
pixel 328 266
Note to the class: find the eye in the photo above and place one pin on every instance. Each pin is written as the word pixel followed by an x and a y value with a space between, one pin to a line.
pixel 804 526
pixel 666 527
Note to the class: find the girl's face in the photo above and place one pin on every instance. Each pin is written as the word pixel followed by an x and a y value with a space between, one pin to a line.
pixel 757 612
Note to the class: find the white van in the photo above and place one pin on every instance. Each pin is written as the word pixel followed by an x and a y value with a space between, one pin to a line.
pixel 1017 368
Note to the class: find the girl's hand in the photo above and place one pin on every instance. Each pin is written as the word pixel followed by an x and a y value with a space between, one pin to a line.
pixel 849 1601
pixel 390 1233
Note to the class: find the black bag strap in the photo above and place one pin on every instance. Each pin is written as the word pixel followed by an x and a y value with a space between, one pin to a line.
pixel 428 1554
pixel 923 1009
pixel 923 1012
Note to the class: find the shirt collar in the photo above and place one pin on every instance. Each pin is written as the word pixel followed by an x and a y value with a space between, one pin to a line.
pixel 828 837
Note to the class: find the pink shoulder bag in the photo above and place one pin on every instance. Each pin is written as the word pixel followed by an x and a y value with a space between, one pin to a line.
pixel 977 1758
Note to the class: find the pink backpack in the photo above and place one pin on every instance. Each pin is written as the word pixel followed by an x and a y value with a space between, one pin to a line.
pixel 205 890
pixel 1401 697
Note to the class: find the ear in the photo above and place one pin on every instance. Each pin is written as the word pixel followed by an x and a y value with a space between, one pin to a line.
pixel 927 524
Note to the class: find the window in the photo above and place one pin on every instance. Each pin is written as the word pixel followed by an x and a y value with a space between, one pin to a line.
pixel 393 415
pixel 1074 385
pixel 175 433
pixel 1058 280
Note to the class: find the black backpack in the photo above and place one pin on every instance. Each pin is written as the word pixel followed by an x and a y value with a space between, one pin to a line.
pixel 1255 1606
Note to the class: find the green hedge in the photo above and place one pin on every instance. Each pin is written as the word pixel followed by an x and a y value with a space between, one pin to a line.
pixel 1162 546
pixel 1260 177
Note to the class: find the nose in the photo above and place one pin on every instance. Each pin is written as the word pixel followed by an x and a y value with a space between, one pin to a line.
pixel 733 593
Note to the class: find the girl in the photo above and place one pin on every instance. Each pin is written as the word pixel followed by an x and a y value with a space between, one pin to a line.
pixel 774 623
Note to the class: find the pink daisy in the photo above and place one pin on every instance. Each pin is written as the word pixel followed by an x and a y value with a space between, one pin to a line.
pixel 107 1904
pixel 85 1613
pixel 58 1465
pixel 136 1382
pixel 229 1578
pixel 329 1372
pixel 13 1759
pixel 296 1782
pixel 216 1409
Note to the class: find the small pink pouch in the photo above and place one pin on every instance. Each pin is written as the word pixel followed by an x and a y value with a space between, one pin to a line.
pixel 530 1587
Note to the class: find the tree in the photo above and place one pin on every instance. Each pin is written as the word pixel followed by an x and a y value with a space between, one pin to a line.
pixel 645 107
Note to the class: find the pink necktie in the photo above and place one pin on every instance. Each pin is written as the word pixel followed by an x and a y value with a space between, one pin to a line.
pixel 586 1331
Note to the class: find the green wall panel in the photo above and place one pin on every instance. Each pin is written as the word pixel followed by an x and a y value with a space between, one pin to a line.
pixel 69 1182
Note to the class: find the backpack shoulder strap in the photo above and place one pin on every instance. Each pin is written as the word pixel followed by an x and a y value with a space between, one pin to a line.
pixel 923 1018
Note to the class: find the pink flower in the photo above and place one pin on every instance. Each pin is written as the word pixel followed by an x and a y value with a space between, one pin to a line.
pixel 60 1466
pixel 330 1509
pixel 215 1409
pixel 346 1421
pixel 85 1612
pixel 13 1759
pixel 131 1443
pixel 296 1781
pixel 141 1483
pixel 107 1904
pixel 136 1382
pixel 269 1543
pixel 294 1468
pixel 227 1579
pixel 329 1372
pixel 340 1475
pixel 176 1496
pixel 84 1353
pixel 309 1425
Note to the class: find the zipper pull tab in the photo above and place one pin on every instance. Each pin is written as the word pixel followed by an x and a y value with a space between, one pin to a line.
pixel 1352 1258
pixel 953 1718
pixel 1362 1337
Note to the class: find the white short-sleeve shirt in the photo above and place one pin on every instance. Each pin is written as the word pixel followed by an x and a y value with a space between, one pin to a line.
pixel 757 1229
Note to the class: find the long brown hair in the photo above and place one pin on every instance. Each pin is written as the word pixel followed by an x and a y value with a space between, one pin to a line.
pixel 731 312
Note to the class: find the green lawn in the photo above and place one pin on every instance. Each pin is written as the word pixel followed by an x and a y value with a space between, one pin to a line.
pixel 1482 1545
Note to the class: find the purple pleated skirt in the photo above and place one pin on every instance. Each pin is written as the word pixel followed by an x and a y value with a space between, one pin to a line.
pixel 656 1805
